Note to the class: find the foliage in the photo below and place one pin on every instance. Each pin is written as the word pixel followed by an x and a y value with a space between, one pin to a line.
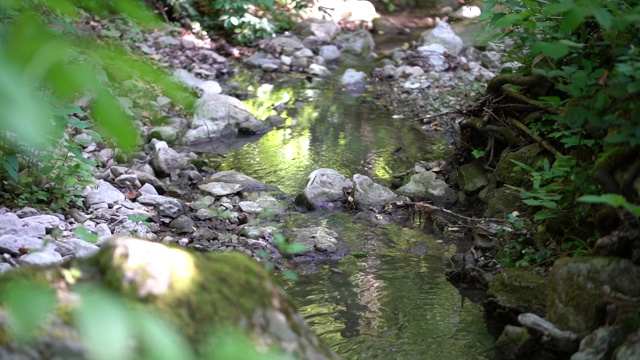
pixel 45 66
pixel 245 20
pixel 112 328
pixel 589 52
pixel 614 200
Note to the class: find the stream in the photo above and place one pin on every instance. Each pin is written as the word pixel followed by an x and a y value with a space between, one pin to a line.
pixel 394 301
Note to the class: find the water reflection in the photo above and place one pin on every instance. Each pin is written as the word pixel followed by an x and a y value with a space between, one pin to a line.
pixel 335 130
pixel 391 304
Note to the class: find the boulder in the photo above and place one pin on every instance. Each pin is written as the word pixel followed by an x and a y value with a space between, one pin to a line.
pixel 326 189
pixel 367 194
pixel 515 291
pixel 471 178
pixel 104 193
pixel 246 182
pixel 359 43
pixel 576 290
pixel 324 30
pixel 165 206
pixel 443 35
pixel 425 186
pixel 506 170
pixel 283 45
pixel 320 244
pixel 220 188
pixel 165 160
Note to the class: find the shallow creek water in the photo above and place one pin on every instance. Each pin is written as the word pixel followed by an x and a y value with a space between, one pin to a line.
pixel 395 303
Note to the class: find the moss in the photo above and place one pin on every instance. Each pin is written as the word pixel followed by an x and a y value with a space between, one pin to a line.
pixel 520 290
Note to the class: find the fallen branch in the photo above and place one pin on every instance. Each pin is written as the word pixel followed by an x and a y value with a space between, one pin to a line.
pixel 540 140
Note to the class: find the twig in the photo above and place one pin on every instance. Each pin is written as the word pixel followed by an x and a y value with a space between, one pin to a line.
pixel 529 100
pixel 540 140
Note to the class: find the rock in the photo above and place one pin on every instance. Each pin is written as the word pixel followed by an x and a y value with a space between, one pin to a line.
pixel 187 78
pixel 49 222
pixel 27 212
pixel 128 181
pixel 433 55
pixel 220 188
pixel 630 349
pixel 203 202
pixel 234 177
pixel 206 214
pixel 352 77
pixel 528 155
pixel 326 189
pixel 359 43
pixel 576 290
pixel 501 202
pixel 513 343
pixel 165 41
pixel 319 70
pixel 41 258
pixel 303 53
pixel 600 343
pixel 210 87
pixel 182 225
pixel 491 60
pixel 515 291
pixel 385 25
pixel 324 30
pixel 269 67
pixel 4 267
pixel 16 244
pixel 165 206
pixel 315 239
pixel 165 160
pixel 169 134
pixel 371 218
pixel 403 71
pixel 425 186
pixel 144 270
pixel 471 178
pixel 283 45
pixel 220 114
pixel 11 224
pixel 148 189
pixel 76 247
pixel 367 194
pixel 260 58
pixel 329 52
pixel 104 193
pixel 443 35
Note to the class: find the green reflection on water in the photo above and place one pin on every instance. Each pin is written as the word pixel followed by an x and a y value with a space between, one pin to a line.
pixel 392 304
pixel 335 130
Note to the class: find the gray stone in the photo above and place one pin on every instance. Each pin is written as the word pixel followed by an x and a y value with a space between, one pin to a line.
pixel 103 230
pixel 491 60
pixel 223 112
pixel 630 349
pixel 367 194
pixel 164 41
pixel 576 289
pixel 261 57
pixel 187 78
pixel 325 189
pixel 41 258
pixel 269 67
pixel 4 267
pixel 210 87
pixel 319 70
pixel 300 62
pixel 359 43
pixel 251 207
pixel 434 55
pixel 49 222
pixel 284 45
pixel 303 53
pixel 324 30
pixel 329 52
pixel 502 201
pixel 166 160
pixel 403 71
pixel 26 212
pixel 443 35
pixel 518 291
pixel 234 177
pixel 352 77
pixel 148 189
pixel 12 244
pixel 165 206
pixel 471 177
pixel 182 225
pixel 600 343
pixel 315 238
pixel 203 202
pixel 76 247
pixel 425 186
pixel 206 214
pixel 220 188
pixel 104 193
pixel 11 224
pixel 164 133
pixel 512 343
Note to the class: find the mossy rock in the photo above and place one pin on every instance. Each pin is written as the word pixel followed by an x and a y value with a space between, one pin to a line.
pixel 517 291
pixel 502 201
pixel 204 293
pixel 506 170
pixel 576 300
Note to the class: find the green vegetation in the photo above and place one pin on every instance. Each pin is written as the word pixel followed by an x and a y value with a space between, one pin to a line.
pixel 580 67
pixel 246 21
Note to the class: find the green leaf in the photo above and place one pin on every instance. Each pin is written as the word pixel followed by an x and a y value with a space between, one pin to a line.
pixel 295 248
pixel 11 166
pixel 615 200
pixel 573 19
pixel 603 16
pixel 542 215
pixel 86 235
pixel 553 50
pixel 28 304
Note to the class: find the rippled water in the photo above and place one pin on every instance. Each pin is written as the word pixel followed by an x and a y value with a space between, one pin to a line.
pixel 329 128
pixel 394 303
